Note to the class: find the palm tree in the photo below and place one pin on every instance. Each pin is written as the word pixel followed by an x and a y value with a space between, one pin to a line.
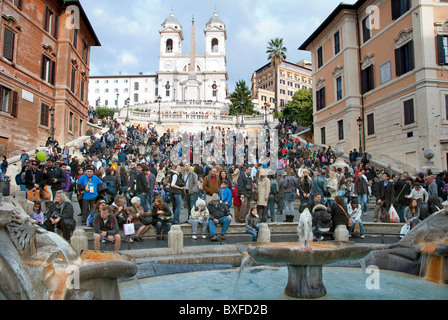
pixel 276 54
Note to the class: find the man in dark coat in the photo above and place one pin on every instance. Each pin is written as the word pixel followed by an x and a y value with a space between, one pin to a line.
pixel 245 193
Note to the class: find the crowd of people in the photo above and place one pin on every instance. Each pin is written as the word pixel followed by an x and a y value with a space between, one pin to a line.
pixel 126 177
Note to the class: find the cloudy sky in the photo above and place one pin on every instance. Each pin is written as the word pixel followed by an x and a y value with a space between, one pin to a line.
pixel 129 31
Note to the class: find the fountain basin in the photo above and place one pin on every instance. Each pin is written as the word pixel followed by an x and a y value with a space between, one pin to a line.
pixel 292 253
pixel 304 262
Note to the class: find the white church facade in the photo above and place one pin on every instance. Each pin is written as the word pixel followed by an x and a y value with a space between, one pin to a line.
pixel 189 92
pixel 176 80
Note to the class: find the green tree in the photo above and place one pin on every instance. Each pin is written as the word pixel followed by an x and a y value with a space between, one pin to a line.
pixel 102 112
pixel 241 93
pixel 276 54
pixel 300 108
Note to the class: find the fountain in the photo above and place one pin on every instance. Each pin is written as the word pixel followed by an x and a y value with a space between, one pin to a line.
pixel 434 261
pixel 39 265
pixel 304 259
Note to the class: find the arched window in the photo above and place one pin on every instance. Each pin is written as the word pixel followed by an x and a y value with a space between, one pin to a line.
pixel 169 45
pixel 215 45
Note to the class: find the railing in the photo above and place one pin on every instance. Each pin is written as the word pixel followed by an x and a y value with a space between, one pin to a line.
pixel 194 117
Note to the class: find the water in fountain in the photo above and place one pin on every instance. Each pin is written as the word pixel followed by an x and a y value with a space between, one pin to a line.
pixel 304 228
pixel 246 263
pixel 139 286
pixel 66 249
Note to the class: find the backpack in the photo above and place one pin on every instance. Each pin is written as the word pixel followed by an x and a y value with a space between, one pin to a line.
pixel 111 187
pixel 274 186
pixel 325 216
pixel 19 179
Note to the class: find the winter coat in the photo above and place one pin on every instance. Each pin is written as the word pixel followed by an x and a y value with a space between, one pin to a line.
pixel 264 188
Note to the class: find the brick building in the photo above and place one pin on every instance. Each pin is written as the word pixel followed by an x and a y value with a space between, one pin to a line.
pixel 44 66
pixel 384 63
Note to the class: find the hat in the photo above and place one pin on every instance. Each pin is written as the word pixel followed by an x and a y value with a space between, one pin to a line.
pixel 263 172
pixel 89 168
pixel 215 196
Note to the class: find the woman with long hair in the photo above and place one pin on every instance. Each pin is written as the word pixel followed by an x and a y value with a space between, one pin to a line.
pixel 162 216
pixel 412 213
pixel 252 224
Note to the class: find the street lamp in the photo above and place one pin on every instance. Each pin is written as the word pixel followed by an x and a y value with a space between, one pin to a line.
pixel 159 99
pixel 127 106
pixel 359 121
pixel 117 111
pixel 242 112
pixel 52 125
pixel 265 114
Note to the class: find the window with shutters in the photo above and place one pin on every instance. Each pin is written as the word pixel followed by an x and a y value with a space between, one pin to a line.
pixel 320 99
pixel 75 38
pixel 442 49
pixel 367 81
pixel 70 121
pixel 51 22
pixel 48 70
pixel 404 58
pixel 323 139
pixel 409 116
pixel 73 80
pixel 5 99
pixel 399 7
pixel 85 50
pixel 339 88
pixel 320 57
pixel 9 101
pixel 44 115
pixel 370 124
pixel 17 3
pixel 366 29
pixel 341 129
pixel 8 44
pixel 82 91
pixel 446 106
pixel 337 43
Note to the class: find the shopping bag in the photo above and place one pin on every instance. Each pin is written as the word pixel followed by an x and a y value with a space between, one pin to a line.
pixel 393 214
pixel 33 195
pixel 404 230
pixel 128 229
pixel 46 193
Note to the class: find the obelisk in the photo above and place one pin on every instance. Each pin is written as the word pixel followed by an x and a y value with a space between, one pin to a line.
pixel 192 67
pixel 192 86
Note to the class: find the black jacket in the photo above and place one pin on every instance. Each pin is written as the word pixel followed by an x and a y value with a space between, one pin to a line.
pixel 32 178
pixel 54 173
pixel 218 211
pixel 244 182
pixel 110 226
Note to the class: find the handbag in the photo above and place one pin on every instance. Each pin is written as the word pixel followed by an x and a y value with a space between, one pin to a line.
pixel 350 222
pixel 128 229
pixel 33 195
pixel 46 193
pixel 146 220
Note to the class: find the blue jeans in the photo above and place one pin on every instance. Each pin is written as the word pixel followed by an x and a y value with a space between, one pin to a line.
pixel 177 204
pixel 254 233
pixel 224 221
pixel 361 227
pixel 160 224
pixel 362 198
pixel 144 201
